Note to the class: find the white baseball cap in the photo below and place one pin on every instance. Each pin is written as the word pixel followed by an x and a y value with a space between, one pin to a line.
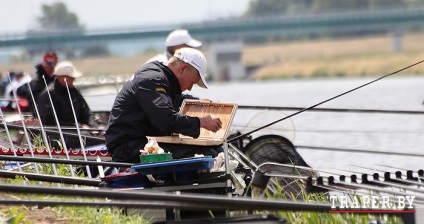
pixel 66 68
pixel 179 37
pixel 196 59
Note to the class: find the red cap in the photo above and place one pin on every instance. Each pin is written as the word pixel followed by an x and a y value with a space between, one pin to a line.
pixel 49 59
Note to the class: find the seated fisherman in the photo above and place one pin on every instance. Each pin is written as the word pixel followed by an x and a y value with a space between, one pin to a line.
pixel 65 73
pixel 146 106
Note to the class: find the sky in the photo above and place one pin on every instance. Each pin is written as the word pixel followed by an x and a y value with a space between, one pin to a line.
pixel 17 16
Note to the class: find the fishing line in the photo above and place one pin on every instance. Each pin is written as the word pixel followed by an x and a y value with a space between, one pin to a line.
pixel 357 132
pixel 322 102
pixel 359 151
pixel 332 109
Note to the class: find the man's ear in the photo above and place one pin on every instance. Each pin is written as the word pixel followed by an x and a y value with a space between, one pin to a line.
pixel 183 67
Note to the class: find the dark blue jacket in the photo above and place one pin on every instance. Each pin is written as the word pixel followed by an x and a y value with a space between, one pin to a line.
pixel 147 105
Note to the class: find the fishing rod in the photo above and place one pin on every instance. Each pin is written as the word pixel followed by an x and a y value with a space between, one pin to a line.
pixel 15 97
pixel 109 204
pixel 219 201
pixel 46 142
pixel 51 130
pixel 358 151
pixel 12 145
pixel 387 178
pixel 367 185
pixel 58 126
pixel 322 102
pixel 51 178
pixel 333 109
pixel 78 130
pixel 378 185
pixel 62 161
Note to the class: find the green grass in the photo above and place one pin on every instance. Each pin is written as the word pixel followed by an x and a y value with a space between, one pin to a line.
pixel 74 214
pixel 295 217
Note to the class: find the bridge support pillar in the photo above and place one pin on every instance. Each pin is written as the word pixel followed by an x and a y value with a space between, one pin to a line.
pixel 397 40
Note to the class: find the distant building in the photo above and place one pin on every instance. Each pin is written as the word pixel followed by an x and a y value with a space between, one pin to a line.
pixel 225 61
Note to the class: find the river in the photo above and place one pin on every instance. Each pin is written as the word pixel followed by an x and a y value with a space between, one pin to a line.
pixel 382 132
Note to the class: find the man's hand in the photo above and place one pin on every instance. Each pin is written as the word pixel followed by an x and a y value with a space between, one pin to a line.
pixel 210 123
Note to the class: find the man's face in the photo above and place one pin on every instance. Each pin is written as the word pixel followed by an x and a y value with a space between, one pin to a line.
pixel 63 79
pixel 49 65
pixel 49 70
pixel 189 76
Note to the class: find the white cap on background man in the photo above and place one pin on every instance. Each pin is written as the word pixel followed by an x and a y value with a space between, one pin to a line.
pixel 66 68
pixel 181 37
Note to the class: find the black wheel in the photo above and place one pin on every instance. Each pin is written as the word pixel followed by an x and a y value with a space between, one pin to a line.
pixel 279 150
pixel 273 148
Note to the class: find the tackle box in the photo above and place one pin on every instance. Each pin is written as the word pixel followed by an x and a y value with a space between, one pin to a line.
pixel 200 108
pixel 175 166
pixel 154 158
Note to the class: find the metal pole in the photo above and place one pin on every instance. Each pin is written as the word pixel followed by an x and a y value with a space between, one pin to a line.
pixel 58 127
pixel 78 130
pixel 75 162
pixel 9 137
pixel 46 142
pixel 223 202
pixel 51 178
pixel 15 97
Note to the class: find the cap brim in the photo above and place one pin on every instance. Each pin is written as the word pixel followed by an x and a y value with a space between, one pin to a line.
pixel 77 74
pixel 202 83
pixel 194 43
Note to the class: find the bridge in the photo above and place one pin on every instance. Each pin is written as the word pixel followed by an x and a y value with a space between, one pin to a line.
pixel 235 28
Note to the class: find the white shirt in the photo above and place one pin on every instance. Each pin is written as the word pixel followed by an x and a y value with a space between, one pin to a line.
pixel 162 58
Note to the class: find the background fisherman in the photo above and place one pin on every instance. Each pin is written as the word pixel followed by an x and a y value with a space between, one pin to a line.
pixel 65 73
pixel 176 39
pixel 46 69
pixel 18 85
pixel 146 107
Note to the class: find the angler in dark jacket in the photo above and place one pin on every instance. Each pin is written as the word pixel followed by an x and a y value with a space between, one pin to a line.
pixel 65 73
pixel 147 106
pixel 44 69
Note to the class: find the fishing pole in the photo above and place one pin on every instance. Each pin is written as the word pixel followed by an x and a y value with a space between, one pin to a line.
pixel 398 175
pixel 69 161
pixel 15 97
pixel 78 130
pixel 43 133
pixel 322 102
pixel 392 183
pixel 58 126
pixel 332 109
pixel 355 131
pixel 109 204
pixel 51 178
pixel 12 145
pixel 358 151
pixel 223 202
pixel 51 130
pixel 353 183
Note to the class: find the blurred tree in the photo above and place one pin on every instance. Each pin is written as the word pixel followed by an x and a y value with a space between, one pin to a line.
pixel 263 8
pixel 57 17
